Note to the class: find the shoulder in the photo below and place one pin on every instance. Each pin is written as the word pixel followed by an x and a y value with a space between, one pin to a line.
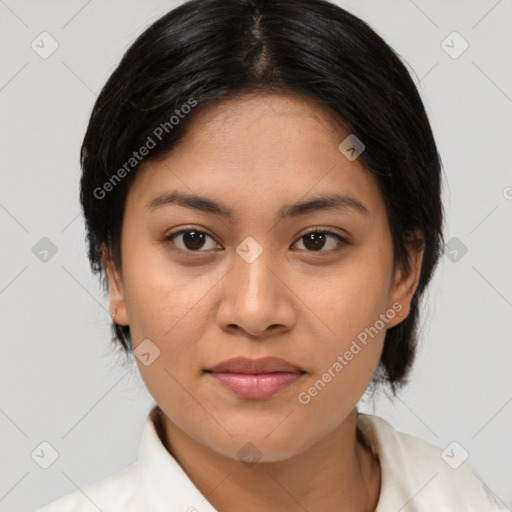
pixel 100 495
pixel 122 490
pixel 418 476
pixel 155 482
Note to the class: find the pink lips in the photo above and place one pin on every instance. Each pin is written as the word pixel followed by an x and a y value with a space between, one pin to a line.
pixel 256 378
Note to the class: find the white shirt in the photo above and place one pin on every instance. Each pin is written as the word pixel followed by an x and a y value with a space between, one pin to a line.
pixel 414 478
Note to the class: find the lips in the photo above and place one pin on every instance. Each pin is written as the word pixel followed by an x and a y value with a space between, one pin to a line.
pixel 256 378
pixel 253 366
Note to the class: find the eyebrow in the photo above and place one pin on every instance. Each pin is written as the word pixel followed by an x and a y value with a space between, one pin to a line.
pixel 338 202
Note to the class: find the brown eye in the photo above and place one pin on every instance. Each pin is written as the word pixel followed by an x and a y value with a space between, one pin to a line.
pixel 191 240
pixel 317 239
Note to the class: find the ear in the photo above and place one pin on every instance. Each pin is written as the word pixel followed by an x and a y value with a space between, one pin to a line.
pixel 405 284
pixel 116 289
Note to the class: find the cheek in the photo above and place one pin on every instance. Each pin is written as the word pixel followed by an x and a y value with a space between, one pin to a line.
pixel 159 294
pixel 172 310
pixel 355 310
pixel 354 297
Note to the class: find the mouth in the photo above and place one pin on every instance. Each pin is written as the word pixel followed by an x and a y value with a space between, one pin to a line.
pixel 256 386
pixel 255 379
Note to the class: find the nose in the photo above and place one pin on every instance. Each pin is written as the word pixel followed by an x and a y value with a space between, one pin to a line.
pixel 256 298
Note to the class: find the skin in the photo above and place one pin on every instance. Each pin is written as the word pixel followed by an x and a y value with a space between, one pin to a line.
pixel 255 153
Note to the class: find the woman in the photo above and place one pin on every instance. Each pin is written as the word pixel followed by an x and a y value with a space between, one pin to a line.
pixel 262 192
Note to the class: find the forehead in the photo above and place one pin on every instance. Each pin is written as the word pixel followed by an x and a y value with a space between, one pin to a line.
pixel 255 151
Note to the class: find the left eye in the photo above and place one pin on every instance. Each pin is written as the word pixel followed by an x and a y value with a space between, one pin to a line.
pixel 315 240
pixel 193 240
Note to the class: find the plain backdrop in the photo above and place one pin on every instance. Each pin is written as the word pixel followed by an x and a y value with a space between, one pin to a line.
pixel 60 379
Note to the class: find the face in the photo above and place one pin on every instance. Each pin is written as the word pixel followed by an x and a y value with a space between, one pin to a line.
pixel 198 287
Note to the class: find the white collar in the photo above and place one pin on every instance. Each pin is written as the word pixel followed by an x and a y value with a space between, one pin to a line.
pixel 163 478
pixel 412 471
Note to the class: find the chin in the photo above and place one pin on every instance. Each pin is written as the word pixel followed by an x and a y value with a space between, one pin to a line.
pixel 258 446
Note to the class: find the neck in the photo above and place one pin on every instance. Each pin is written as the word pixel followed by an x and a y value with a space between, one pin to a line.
pixel 337 473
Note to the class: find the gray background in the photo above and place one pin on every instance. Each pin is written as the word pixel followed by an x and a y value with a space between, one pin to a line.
pixel 61 381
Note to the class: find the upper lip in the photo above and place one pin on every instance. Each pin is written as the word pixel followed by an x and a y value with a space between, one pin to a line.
pixel 262 365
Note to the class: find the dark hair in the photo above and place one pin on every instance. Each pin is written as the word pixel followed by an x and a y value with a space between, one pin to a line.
pixel 207 50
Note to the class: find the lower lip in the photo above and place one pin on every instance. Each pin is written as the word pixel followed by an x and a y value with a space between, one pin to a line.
pixel 256 386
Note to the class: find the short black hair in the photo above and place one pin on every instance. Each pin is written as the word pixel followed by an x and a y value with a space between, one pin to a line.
pixel 204 51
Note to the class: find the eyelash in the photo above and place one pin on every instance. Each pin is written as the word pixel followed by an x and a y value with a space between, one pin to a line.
pixel 189 253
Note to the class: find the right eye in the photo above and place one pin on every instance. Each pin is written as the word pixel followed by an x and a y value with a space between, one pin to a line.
pixel 190 239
